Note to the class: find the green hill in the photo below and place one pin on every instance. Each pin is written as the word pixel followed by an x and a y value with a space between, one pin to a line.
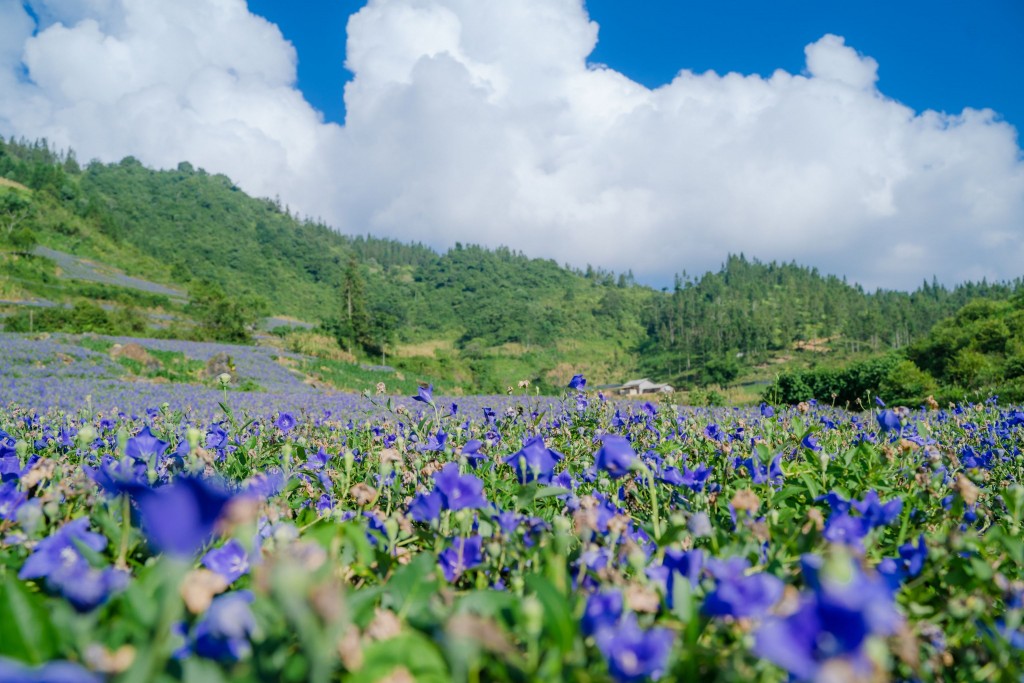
pixel 481 318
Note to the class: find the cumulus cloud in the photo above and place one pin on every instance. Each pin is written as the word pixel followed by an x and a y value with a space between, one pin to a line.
pixel 483 122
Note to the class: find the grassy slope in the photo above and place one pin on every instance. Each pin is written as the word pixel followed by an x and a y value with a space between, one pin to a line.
pixel 482 319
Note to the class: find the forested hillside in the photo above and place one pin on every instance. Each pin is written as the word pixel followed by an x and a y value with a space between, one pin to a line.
pixel 749 309
pixel 483 315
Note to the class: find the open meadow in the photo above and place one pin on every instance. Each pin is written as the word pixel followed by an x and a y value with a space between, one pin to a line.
pixel 168 531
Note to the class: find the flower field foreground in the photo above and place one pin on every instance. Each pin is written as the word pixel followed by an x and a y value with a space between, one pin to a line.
pixel 579 540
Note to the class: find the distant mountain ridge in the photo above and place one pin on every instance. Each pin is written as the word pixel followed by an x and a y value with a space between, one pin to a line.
pixel 489 313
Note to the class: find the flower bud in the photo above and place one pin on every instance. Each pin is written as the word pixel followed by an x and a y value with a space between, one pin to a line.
pixel 86 435
pixel 30 516
pixel 533 615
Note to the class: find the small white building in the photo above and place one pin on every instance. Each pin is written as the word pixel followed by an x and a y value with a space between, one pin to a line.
pixel 636 387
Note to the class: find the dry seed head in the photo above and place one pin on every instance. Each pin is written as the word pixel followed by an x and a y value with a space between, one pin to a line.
pixel 746 500
pixel 385 625
pixel 363 494
pixel 642 599
pixel 967 490
pixel 350 650
pixel 199 587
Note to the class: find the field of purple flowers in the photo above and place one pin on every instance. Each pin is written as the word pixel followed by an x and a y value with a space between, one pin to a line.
pixel 509 539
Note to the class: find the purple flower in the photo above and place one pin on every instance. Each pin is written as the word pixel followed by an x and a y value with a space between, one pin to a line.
pixel 116 477
pixel 835 502
pixel 714 432
pixel 616 456
pixel 602 611
pixel 471 452
pixel 810 442
pixel 1015 637
pixel 846 529
pixel 634 654
pixel 461 555
pixel 51 672
pixel 695 479
pixel 324 505
pixel 534 461
pixel 888 421
pixel 458 491
pixel 767 410
pixel 843 608
pixel 285 422
pixel 425 394
pixel 179 518
pixel 914 556
pixel 508 522
pixel 577 382
pixel 84 586
pixel 565 480
pixel 58 559
pixel 435 442
pixel 893 571
pixel 146 447
pixel 224 632
pixel 230 560
pixel 737 594
pixel 875 513
pixel 671 475
pixel 425 507
pixel 60 549
pixel 265 485
pixel 10 500
pixel 686 564
pixel 10 464
pixel 217 437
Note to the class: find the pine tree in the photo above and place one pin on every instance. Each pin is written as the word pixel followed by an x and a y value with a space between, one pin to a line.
pixel 355 321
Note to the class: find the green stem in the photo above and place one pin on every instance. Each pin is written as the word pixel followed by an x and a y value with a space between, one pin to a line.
pixel 126 528
pixel 655 515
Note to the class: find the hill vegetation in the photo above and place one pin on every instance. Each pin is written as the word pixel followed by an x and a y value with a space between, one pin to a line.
pixel 482 318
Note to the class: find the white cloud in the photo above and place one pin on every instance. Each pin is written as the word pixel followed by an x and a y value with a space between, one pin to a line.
pixel 482 122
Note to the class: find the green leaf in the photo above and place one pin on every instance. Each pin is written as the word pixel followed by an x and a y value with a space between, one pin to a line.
pixel 527 492
pixel 559 625
pixel 357 544
pixel 550 491
pixel 682 594
pixel 197 669
pixel 674 533
pixel 410 650
pixel 1013 497
pixel 26 632
pixel 487 603
pixel 412 585
pixel 812 486
pixel 982 569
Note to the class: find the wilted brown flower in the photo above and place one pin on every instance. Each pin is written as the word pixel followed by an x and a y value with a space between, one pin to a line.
pixel 385 625
pixel 99 658
pixel 363 494
pixel 746 500
pixel 967 489
pixel 199 587
pixel 642 599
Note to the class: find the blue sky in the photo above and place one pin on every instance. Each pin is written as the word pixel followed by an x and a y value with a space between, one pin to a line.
pixel 939 54
pixel 873 140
